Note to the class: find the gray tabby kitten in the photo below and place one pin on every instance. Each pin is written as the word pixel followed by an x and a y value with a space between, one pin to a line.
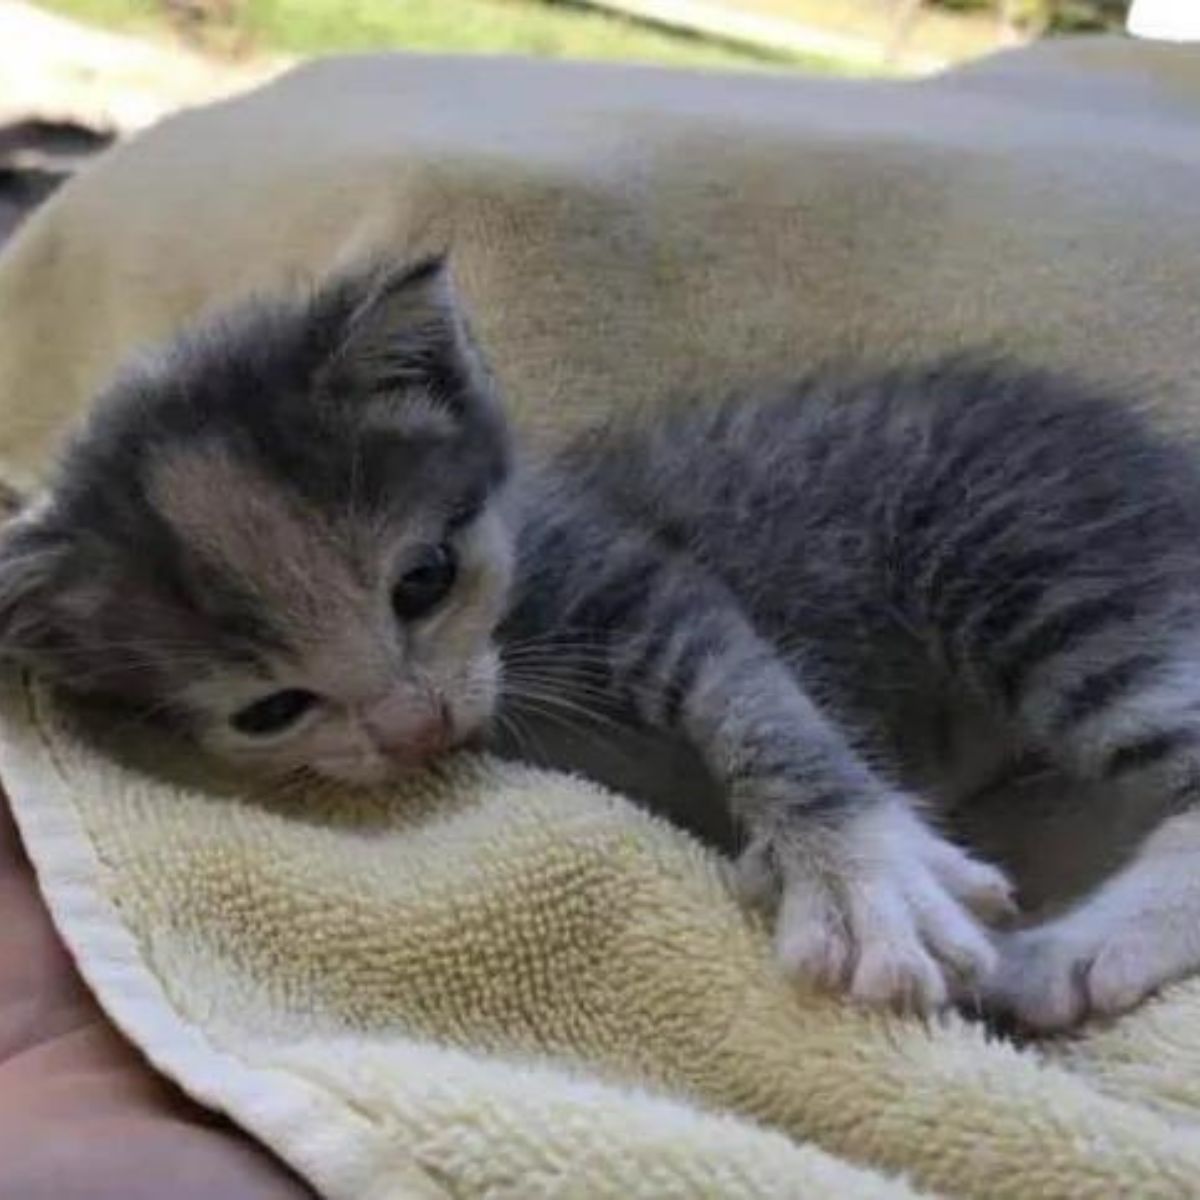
pixel 297 535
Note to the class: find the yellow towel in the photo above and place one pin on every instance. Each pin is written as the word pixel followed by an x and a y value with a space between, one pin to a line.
pixel 497 982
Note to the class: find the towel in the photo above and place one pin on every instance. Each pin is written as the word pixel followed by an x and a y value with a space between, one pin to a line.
pixel 494 981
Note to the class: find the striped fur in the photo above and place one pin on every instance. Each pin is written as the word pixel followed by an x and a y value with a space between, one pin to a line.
pixel 799 584
pixel 800 599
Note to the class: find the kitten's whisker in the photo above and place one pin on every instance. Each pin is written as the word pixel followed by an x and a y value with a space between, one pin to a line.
pixel 564 666
pixel 597 708
pixel 564 661
pixel 564 685
pixel 553 700
pixel 588 729
pixel 587 640
pixel 560 687
pixel 573 725
pixel 524 741
pixel 561 668
pixel 562 682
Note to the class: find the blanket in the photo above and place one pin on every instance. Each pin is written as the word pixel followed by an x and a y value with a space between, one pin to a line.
pixel 500 982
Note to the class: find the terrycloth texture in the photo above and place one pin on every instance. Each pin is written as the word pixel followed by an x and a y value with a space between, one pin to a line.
pixel 504 983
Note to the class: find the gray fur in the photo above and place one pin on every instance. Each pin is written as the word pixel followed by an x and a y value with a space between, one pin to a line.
pixel 837 592
pixel 230 520
pixel 891 541
pixel 819 594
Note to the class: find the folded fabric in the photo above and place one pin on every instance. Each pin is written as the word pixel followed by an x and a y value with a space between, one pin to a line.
pixel 494 981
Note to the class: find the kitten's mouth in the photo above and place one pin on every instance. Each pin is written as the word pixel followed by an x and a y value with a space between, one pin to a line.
pixel 443 734
pixel 409 749
pixel 468 734
pixel 472 739
pixel 427 742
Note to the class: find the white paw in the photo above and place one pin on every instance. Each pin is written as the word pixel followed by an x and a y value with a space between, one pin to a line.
pixel 1052 978
pixel 882 908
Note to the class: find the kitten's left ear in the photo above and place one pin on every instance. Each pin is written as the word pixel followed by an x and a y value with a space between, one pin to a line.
pixel 35 582
pixel 404 328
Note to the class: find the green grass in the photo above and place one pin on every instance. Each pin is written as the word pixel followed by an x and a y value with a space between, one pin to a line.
pixel 547 29
pixel 937 31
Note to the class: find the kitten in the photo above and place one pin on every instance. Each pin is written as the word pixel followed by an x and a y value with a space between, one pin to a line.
pixel 276 534
pixel 299 535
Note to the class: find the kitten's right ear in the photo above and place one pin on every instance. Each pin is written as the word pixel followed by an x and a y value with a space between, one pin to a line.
pixel 393 308
pixel 403 327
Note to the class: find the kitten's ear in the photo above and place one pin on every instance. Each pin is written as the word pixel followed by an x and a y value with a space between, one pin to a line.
pixel 11 501
pixel 403 328
pixel 35 562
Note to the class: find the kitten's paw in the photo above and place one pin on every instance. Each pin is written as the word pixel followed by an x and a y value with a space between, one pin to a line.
pixel 1052 978
pixel 1039 981
pixel 882 908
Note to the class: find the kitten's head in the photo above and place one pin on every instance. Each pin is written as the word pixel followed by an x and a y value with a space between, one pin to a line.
pixel 282 533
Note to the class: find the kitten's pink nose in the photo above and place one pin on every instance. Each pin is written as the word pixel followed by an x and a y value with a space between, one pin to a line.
pixel 412 743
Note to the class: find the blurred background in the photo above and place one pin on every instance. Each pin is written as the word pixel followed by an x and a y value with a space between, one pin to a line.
pixel 76 74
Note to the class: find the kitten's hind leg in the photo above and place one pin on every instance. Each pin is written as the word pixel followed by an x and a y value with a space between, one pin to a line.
pixel 1140 929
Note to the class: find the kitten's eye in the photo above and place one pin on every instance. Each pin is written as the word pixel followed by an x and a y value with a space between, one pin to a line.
pixel 464 514
pixel 273 713
pixel 424 585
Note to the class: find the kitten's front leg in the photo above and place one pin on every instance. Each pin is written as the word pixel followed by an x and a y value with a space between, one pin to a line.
pixel 879 905
pixel 870 898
